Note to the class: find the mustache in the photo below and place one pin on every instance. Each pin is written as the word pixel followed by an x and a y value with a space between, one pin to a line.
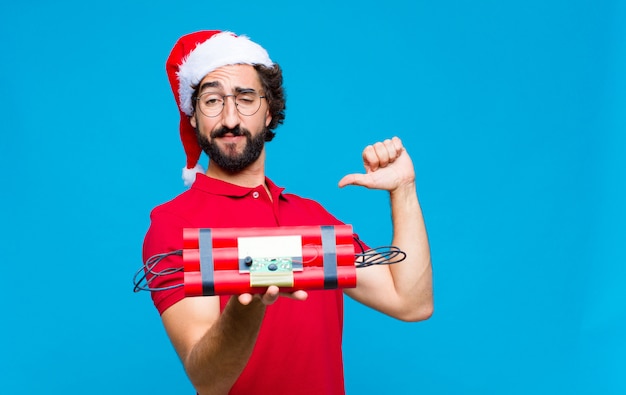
pixel 236 131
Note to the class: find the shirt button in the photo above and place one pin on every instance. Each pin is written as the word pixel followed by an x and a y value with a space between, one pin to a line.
pixel 255 194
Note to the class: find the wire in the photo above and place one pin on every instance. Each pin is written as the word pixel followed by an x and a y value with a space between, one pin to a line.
pixel 360 243
pixel 142 283
pixel 385 255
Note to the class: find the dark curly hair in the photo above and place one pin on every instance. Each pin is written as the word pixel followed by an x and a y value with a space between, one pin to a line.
pixel 272 82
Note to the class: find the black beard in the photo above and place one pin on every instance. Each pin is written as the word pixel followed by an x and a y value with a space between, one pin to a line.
pixel 230 161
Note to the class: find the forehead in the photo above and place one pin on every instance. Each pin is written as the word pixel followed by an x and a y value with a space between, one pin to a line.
pixel 232 77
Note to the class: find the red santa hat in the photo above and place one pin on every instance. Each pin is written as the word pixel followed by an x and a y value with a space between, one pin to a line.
pixel 193 57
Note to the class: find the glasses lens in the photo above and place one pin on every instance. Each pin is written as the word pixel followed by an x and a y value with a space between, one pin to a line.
pixel 211 104
pixel 248 103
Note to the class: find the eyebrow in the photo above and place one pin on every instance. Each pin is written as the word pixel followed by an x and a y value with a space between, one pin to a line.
pixel 216 84
pixel 210 84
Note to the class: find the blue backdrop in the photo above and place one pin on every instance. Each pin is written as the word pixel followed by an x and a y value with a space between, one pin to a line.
pixel 513 112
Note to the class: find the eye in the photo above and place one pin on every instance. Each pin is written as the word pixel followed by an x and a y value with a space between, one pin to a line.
pixel 211 100
pixel 246 97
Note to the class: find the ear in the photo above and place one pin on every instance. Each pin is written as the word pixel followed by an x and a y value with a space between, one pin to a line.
pixel 268 117
pixel 192 120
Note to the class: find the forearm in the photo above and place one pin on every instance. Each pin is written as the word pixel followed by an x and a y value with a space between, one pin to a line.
pixel 218 358
pixel 413 278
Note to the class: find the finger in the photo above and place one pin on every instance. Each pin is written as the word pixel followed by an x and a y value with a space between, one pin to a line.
pixel 382 154
pixel 392 150
pixel 346 180
pixel 297 295
pixel 370 159
pixel 354 179
pixel 245 299
pixel 300 295
pixel 397 142
pixel 271 295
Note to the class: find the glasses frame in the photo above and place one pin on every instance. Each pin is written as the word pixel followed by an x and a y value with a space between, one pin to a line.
pixel 234 96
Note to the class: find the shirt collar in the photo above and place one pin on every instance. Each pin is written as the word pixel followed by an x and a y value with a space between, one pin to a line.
pixel 219 187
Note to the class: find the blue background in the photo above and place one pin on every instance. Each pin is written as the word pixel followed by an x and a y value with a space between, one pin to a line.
pixel 513 112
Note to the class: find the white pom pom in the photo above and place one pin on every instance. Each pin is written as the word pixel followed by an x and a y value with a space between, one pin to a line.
pixel 189 175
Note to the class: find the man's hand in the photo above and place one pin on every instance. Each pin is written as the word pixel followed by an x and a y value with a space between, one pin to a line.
pixel 270 296
pixel 387 167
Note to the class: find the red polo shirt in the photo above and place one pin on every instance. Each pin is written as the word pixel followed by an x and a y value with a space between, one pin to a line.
pixel 298 350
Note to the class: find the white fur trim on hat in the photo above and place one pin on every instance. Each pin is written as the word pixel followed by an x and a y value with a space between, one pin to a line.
pixel 222 49
pixel 189 175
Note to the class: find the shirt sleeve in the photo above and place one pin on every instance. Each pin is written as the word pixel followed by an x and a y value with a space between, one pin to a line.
pixel 165 235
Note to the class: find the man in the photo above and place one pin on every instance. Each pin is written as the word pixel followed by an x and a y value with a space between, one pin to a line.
pixel 230 97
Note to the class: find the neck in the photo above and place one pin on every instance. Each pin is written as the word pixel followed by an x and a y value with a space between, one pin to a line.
pixel 250 177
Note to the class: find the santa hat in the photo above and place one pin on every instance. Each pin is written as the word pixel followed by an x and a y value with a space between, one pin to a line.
pixel 193 57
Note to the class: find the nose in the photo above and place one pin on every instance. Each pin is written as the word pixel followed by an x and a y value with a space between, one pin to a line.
pixel 230 115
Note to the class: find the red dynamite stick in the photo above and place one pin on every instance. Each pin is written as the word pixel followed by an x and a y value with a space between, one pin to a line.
pixel 227 237
pixel 228 258
pixel 231 282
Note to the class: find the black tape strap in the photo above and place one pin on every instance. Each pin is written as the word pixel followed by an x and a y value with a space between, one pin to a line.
pixel 329 248
pixel 207 269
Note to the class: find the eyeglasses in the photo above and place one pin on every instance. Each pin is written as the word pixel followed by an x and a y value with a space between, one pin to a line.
pixel 247 103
